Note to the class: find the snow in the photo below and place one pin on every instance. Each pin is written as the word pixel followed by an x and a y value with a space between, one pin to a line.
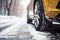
pixel 17 27
pixel 36 34
pixel 13 24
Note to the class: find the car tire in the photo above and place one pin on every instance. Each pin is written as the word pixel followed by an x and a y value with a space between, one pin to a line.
pixel 43 22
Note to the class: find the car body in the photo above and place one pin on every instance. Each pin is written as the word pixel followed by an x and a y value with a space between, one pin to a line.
pixel 51 9
pixel 46 12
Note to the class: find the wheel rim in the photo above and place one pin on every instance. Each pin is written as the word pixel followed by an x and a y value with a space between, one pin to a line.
pixel 36 15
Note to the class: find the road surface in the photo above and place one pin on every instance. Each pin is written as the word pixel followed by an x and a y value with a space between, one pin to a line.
pixel 14 28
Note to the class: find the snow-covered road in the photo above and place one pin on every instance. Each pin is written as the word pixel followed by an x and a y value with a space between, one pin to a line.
pixel 15 28
pixel 10 24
